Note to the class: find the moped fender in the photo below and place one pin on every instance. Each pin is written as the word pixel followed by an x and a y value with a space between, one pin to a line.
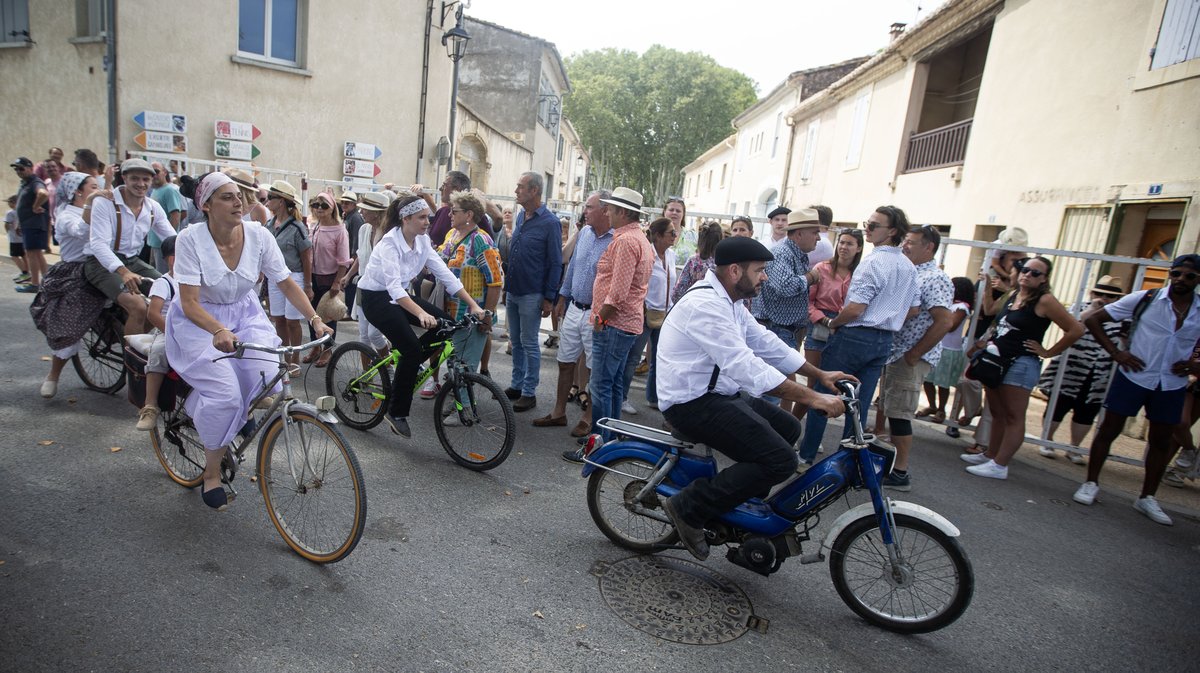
pixel 610 452
pixel 898 507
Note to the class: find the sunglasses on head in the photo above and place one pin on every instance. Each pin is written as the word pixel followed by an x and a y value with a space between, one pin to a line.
pixel 319 205
pixel 1186 275
pixel 1033 272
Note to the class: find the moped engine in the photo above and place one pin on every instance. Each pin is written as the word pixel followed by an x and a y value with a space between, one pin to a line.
pixel 757 554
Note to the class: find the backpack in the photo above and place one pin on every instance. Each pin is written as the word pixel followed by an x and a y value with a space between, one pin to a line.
pixel 1138 310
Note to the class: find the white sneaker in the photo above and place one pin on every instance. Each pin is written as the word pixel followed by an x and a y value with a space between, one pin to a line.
pixel 1087 493
pixel 429 390
pixel 627 408
pixel 1149 506
pixel 1047 452
pixel 451 420
pixel 974 458
pixel 990 470
pixel 1076 458
pixel 49 388
pixel 1186 459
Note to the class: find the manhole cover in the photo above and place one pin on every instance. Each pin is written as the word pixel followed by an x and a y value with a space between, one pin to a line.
pixel 676 600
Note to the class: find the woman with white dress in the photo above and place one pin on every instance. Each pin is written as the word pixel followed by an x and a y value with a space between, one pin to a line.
pixel 372 206
pixel 217 265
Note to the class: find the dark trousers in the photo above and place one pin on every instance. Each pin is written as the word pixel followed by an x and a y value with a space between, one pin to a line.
pixel 396 324
pixel 758 435
pixel 321 285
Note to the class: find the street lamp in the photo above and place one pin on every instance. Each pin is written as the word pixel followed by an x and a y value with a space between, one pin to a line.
pixel 455 41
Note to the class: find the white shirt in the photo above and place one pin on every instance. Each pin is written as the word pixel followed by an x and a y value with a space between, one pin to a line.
pixel 365 232
pixel 133 228
pixel 167 287
pixel 199 263
pixel 662 279
pixel 706 329
pixel 887 283
pixel 72 233
pixel 1155 340
pixel 393 265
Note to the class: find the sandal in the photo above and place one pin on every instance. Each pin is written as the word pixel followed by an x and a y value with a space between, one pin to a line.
pixel 324 359
pixel 937 417
pixel 572 393
pixel 312 355
pixel 975 450
pixel 927 411
pixel 584 400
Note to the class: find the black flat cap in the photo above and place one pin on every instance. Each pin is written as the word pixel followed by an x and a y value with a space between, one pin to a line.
pixel 737 249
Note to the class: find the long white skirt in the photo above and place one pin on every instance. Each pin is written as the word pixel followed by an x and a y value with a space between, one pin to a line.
pixel 221 391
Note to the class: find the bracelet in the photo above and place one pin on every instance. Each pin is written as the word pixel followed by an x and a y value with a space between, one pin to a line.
pixel 315 316
pixel 223 329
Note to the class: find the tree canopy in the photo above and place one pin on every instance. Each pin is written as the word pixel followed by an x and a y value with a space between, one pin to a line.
pixel 645 117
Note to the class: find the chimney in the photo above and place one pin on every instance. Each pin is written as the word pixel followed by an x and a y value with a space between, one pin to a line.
pixel 896 30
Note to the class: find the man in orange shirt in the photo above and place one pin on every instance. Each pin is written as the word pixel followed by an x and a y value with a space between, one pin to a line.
pixel 618 301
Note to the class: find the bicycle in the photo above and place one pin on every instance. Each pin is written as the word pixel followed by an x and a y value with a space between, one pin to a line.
pixel 473 418
pixel 100 362
pixel 309 477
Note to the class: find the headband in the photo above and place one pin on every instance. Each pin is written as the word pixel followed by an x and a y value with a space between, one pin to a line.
pixel 211 183
pixel 324 196
pixel 65 192
pixel 412 208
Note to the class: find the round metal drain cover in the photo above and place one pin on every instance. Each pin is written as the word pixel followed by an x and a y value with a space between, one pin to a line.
pixel 676 600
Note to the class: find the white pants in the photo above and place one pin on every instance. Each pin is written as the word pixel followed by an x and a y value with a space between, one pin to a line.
pixel 280 306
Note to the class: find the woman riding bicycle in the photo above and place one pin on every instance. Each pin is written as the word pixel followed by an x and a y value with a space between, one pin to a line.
pixel 400 255
pixel 217 265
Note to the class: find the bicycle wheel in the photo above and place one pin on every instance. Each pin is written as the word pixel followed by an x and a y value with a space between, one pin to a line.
pixel 929 589
pixel 610 497
pixel 360 401
pixel 178 447
pixel 313 487
pixel 475 423
pixel 100 362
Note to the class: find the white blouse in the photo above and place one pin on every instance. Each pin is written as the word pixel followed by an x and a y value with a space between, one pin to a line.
pixel 199 263
pixel 365 232
pixel 662 279
pixel 393 265
pixel 72 233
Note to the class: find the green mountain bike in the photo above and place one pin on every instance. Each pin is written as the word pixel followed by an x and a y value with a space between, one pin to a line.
pixel 473 418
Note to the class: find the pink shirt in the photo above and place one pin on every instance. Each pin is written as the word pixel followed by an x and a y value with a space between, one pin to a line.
pixel 828 295
pixel 623 277
pixel 331 249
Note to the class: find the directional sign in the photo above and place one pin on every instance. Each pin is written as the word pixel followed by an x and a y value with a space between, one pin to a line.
pixel 359 184
pixel 360 169
pixel 363 151
pixel 235 149
pixel 230 130
pixel 155 141
pixel 169 122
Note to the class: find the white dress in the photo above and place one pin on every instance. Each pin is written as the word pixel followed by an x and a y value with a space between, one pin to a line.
pixel 222 390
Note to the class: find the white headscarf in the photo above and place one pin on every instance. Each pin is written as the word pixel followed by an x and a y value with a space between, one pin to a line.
pixel 64 194
pixel 211 183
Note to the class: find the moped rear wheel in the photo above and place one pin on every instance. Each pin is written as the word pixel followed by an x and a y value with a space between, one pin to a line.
pixel 929 589
pixel 610 497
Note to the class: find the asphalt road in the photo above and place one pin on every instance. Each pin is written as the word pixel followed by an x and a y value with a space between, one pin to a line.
pixel 107 565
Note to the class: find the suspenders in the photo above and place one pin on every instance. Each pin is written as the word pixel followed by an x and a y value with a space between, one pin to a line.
pixel 716 372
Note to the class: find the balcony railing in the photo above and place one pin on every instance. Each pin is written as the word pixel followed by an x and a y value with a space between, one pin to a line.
pixel 945 146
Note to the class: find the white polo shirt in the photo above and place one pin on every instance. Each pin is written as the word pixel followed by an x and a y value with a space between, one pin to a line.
pixel 1156 342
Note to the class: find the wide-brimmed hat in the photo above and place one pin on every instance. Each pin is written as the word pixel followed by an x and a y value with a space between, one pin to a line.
pixel 803 218
pixel 283 190
pixel 1014 236
pixel 130 165
pixel 626 198
pixel 348 196
pixel 1109 285
pixel 242 178
pixel 374 201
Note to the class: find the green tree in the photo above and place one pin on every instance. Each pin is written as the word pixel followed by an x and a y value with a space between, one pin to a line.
pixel 646 117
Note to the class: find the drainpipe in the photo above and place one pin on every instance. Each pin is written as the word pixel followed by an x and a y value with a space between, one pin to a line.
pixel 787 160
pixel 424 92
pixel 110 67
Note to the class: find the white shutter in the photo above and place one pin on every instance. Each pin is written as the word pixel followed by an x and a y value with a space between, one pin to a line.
pixel 1179 36
pixel 858 128
pixel 810 150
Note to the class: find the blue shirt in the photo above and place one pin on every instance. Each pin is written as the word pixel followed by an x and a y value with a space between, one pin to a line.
pixel 887 283
pixel 535 255
pixel 784 297
pixel 581 271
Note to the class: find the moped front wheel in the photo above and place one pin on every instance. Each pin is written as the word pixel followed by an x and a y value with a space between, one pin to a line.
pixel 928 589
pixel 611 500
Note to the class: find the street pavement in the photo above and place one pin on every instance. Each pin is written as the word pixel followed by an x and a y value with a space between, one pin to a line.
pixel 107 565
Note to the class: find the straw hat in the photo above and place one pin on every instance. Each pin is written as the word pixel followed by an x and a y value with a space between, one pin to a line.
pixel 1014 236
pixel 374 201
pixel 625 198
pixel 242 178
pixel 283 190
pixel 1110 285
pixel 348 196
pixel 803 218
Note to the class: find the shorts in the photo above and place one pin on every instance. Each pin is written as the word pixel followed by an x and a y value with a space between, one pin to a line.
pixel 575 335
pixel 35 239
pixel 1127 398
pixel 16 249
pixel 902 387
pixel 108 282
pixel 156 359
pixel 1082 411
pixel 1023 372
pixel 280 306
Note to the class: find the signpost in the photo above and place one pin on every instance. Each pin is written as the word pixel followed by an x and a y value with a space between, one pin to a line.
pixel 156 141
pixel 360 169
pixel 363 151
pixel 231 130
pixel 359 184
pixel 235 149
pixel 168 122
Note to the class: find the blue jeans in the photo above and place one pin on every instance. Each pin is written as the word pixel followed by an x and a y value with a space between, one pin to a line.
pixel 610 350
pixel 635 358
pixel 787 334
pixel 861 352
pixel 524 313
pixel 468 345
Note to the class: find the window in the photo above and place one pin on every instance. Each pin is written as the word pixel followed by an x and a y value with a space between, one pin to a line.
pixel 14 22
pixel 775 142
pixel 858 128
pixel 810 150
pixel 708 184
pixel 270 30
pixel 91 19
pixel 560 147
pixel 687 185
pixel 746 208
pixel 1179 35
pixel 733 207
pixel 724 167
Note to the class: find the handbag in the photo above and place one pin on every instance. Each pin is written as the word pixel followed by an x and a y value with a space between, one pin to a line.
pixel 988 366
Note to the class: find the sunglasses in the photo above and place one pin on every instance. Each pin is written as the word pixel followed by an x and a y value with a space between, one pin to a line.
pixel 872 226
pixel 1019 264
pixel 1033 272
pixel 319 205
pixel 1186 275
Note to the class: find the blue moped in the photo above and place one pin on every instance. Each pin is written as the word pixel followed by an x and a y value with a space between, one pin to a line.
pixel 896 564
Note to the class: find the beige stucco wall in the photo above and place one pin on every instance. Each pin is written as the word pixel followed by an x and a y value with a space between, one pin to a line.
pixel 758 172
pixel 699 197
pixel 506 159
pixel 181 62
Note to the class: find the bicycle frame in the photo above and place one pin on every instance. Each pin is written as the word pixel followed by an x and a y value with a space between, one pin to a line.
pixel 444 355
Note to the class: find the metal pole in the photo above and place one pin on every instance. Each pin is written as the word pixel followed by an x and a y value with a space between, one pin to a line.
pixel 110 67
pixel 454 96
pixel 1056 389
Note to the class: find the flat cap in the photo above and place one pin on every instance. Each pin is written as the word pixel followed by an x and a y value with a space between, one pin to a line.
pixel 737 249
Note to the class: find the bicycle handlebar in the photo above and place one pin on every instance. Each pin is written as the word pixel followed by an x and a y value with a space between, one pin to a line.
pixel 240 347
pixel 468 320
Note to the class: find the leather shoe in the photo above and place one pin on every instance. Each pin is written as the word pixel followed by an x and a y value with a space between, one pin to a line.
pixel 525 403
pixel 216 498
pixel 691 537
pixel 549 421
pixel 512 394
pixel 581 429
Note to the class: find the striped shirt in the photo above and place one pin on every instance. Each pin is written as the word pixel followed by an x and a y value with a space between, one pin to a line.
pixel 581 271
pixel 1087 365
pixel 886 282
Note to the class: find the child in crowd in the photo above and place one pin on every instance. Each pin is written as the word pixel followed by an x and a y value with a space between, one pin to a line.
pixel 162 294
pixel 16 250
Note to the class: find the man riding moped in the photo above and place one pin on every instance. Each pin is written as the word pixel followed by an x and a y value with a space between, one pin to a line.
pixel 715 362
